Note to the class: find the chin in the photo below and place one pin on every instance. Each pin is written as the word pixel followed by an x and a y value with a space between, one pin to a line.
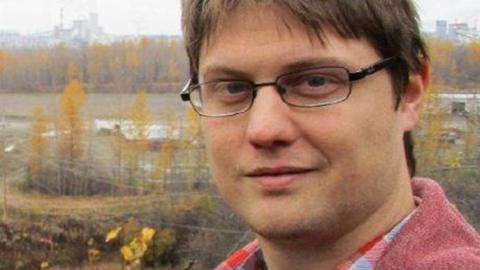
pixel 289 230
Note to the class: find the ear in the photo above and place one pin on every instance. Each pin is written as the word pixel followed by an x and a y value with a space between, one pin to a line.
pixel 411 102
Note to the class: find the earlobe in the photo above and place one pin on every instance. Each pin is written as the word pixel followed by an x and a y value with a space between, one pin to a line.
pixel 412 99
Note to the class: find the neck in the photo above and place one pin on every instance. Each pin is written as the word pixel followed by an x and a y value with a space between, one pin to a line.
pixel 322 253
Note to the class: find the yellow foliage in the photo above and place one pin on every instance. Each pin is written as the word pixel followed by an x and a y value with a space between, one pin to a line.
pixel 38 141
pixel 147 234
pixel 144 43
pixel 71 124
pixel 136 249
pixel 44 265
pixel 97 66
pixel 131 57
pixel 442 58
pixel 431 125
pixel 164 159
pixel 455 160
pixel 113 234
pixel 75 94
pixel 473 52
pixel 192 125
pixel 141 117
pixel 73 72
pixel 3 59
pixel 127 254
pixel 140 243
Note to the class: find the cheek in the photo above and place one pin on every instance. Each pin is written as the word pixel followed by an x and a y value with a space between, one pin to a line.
pixel 221 138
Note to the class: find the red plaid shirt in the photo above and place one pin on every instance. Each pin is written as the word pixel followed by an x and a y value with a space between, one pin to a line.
pixel 250 257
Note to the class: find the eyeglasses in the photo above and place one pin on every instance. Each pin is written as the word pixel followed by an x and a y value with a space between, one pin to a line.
pixel 307 88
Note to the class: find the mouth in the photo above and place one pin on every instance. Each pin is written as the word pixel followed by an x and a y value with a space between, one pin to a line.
pixel 277 177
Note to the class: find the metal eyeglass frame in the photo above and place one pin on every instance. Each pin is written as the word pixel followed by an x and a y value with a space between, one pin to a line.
pixel 352 76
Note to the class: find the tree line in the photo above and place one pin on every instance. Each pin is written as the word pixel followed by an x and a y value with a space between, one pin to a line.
pixel 152 64
pixel 118 67
pixel 455 65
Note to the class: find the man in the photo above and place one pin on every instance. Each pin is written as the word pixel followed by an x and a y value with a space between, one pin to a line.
pixel 307 110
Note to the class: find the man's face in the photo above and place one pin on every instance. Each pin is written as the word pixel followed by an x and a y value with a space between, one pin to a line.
pixel 300 171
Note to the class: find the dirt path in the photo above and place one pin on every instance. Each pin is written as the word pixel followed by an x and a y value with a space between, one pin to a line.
pixel 80 207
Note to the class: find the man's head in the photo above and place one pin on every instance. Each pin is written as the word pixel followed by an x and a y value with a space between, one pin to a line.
pixel 391 27
pixel 290 171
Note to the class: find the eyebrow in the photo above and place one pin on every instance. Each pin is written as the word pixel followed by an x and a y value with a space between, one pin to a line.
pixel 315 62
pixel 225 71
pixel 298 64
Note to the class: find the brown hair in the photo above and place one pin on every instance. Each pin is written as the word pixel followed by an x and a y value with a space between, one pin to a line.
pixel 391 27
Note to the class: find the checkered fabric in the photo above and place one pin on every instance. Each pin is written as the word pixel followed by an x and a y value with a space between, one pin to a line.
pixel 250 256
pixel 366 257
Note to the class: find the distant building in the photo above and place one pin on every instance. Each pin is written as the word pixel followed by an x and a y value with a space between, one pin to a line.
pixel 82 31
pixel 462 110
pixel 441 29
pixel 460 32
pixel 460 104
pixel 9 39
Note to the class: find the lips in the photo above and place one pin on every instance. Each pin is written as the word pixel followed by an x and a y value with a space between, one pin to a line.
pixel 277 177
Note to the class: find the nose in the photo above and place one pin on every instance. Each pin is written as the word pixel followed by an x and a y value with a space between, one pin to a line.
pixel 270 121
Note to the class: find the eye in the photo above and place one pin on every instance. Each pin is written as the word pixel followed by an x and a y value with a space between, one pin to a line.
pixel 232 92
pixel 234 88
pixel 314 86
pixel 311 81
pixel 316 81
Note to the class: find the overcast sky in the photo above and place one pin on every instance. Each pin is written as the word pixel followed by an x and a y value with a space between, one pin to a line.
pixel 163 16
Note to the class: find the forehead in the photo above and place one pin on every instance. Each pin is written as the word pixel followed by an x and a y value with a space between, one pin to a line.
pixel 267 34
pixel 254 19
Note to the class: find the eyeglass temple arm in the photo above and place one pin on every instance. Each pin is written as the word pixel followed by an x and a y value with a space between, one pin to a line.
pixel 184 94
pixel 364 72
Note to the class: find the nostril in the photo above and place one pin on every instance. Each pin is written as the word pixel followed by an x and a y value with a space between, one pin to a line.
pixel 269 144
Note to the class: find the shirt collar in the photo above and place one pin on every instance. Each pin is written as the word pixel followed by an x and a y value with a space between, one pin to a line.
pixel 250 257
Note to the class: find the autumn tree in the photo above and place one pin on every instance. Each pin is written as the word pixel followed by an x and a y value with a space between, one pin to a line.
pixel 147 61
pixel 442 60
pixel 3 56
pixel 122 66
pixel 472 63
pixel 192 154
pixel 73 72
pixel 97 66
pixel 38 143
pixel 430 132
pixel 137 132
pixel 166 156
pixel 71 128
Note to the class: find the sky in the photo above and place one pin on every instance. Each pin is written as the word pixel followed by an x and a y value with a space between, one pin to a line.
pixel 163 16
